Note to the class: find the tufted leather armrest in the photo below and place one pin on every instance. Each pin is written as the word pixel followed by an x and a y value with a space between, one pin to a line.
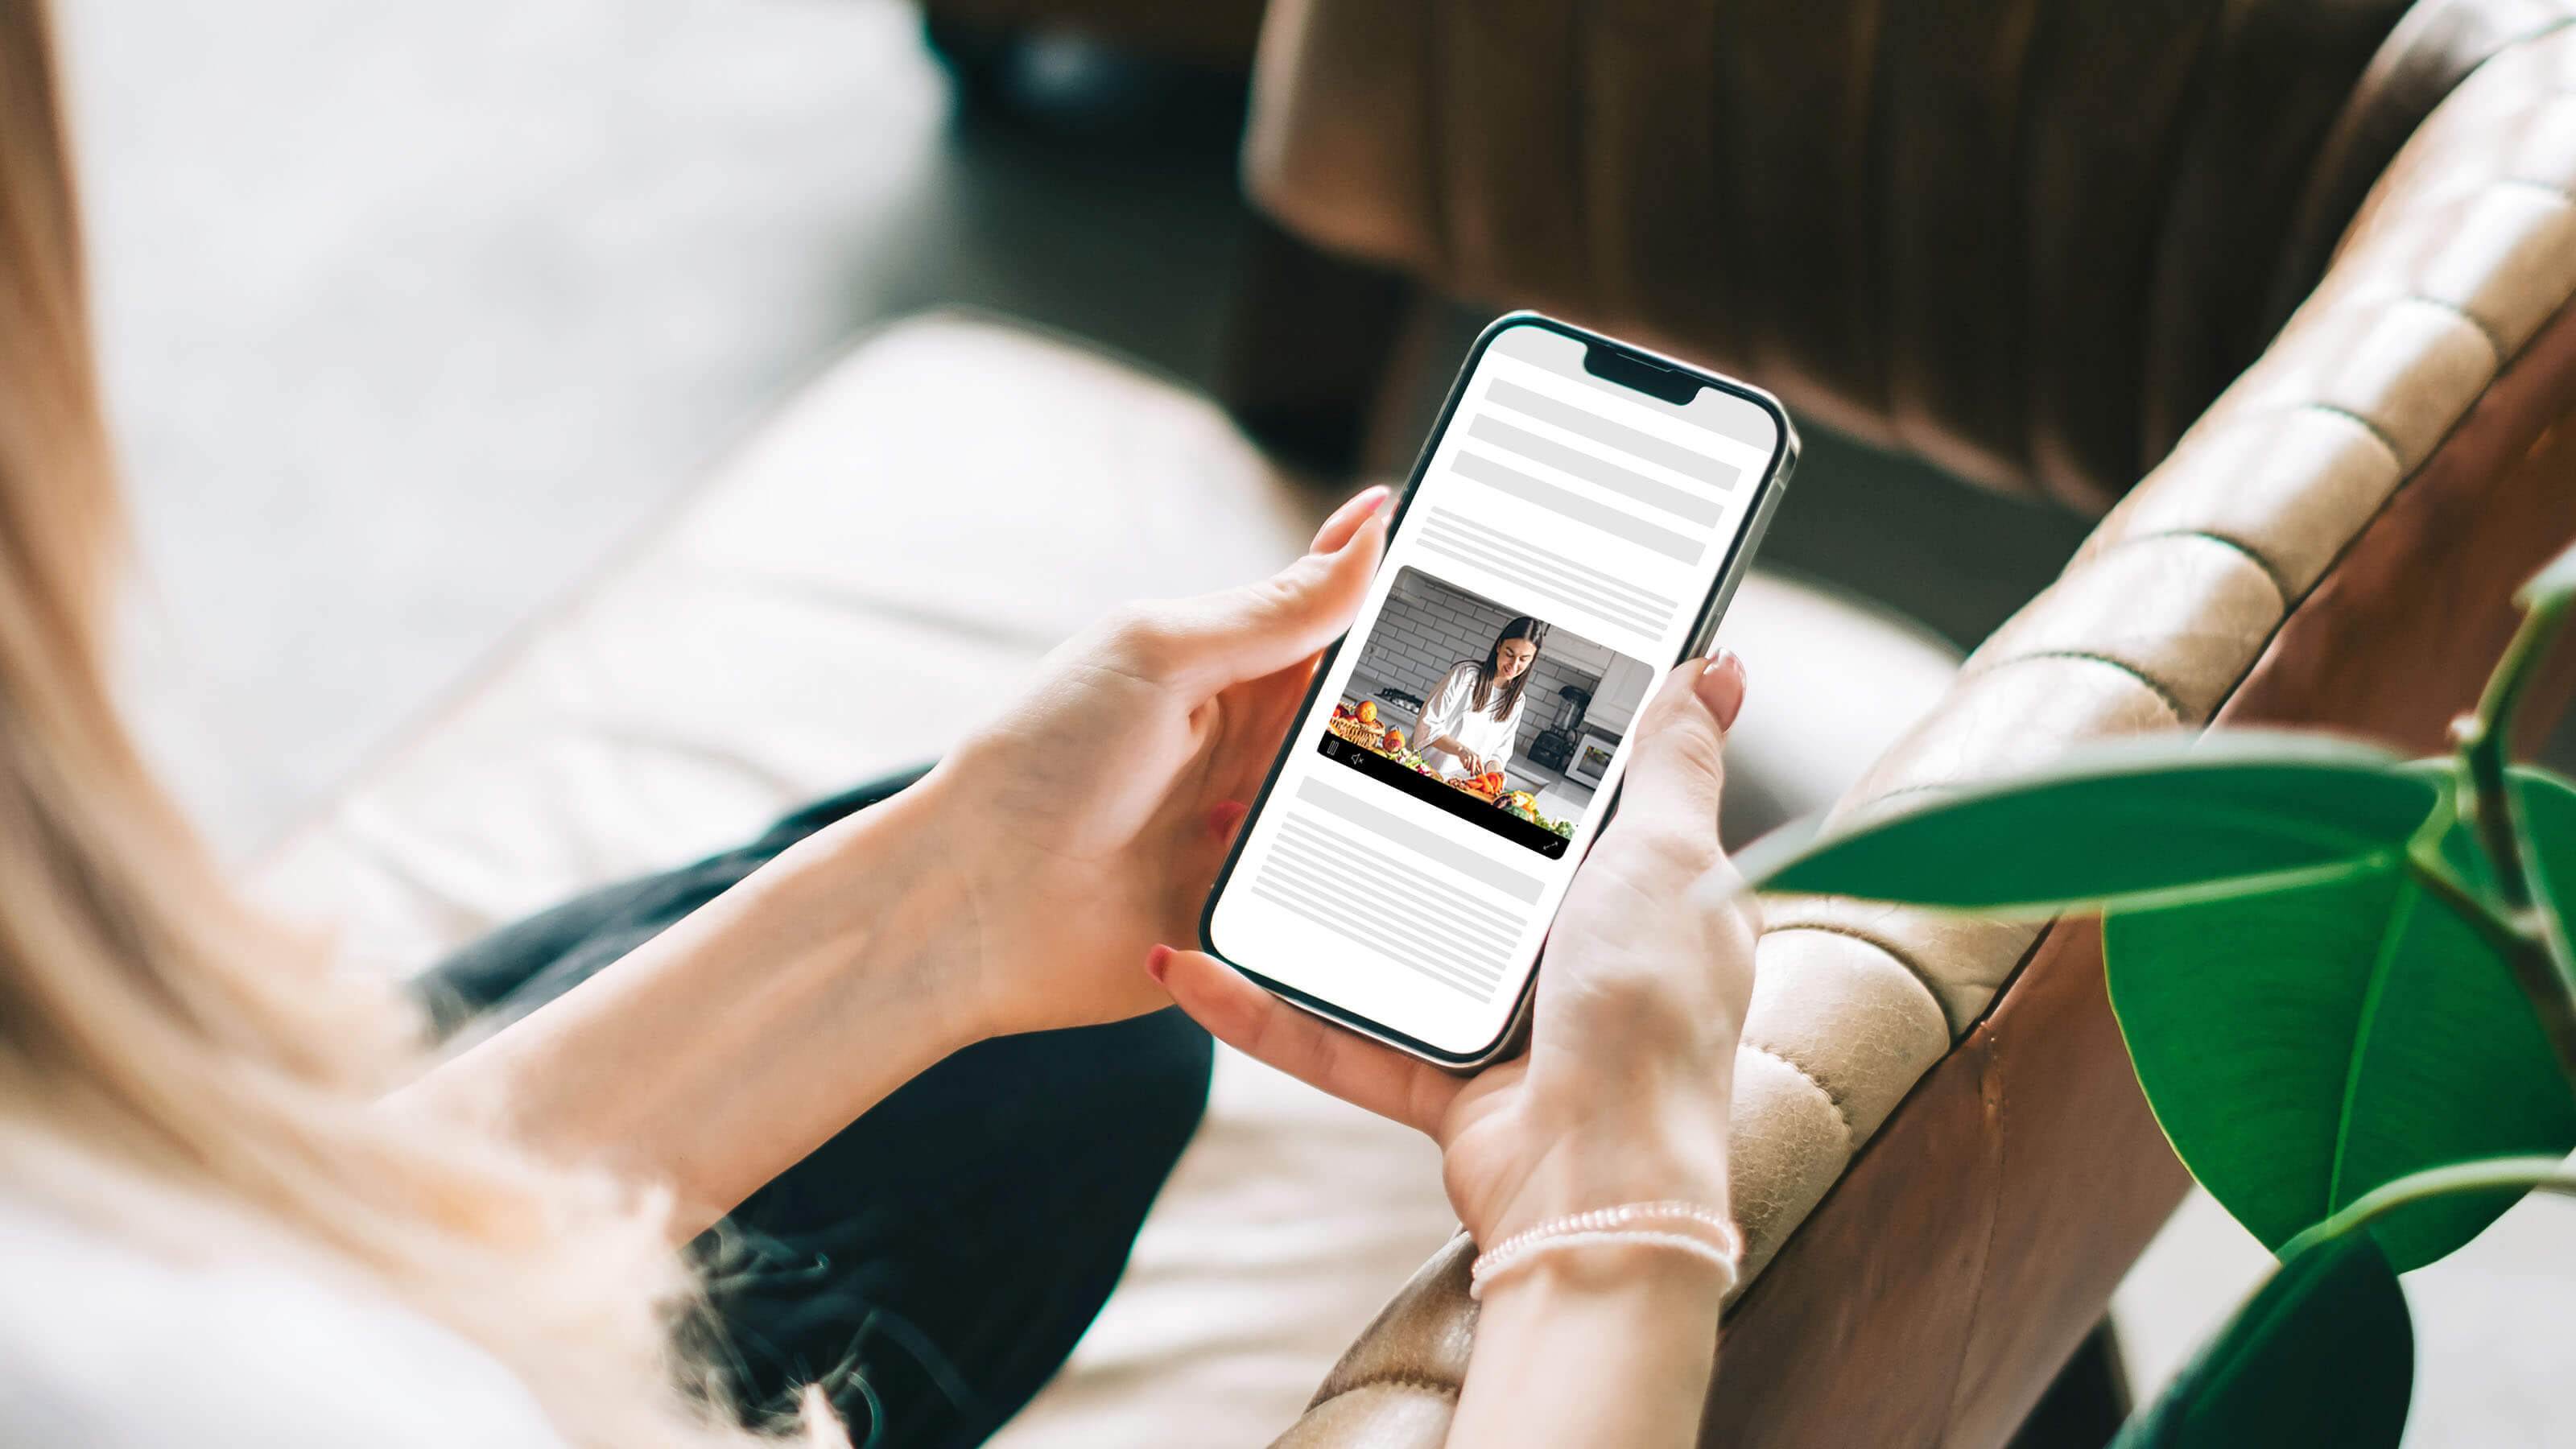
pixel 1942 1162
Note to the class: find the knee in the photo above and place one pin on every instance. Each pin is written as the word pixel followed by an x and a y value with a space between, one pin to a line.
pixel 1143 1080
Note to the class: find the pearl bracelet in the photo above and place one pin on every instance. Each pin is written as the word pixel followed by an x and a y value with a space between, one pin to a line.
pixel 1682 1227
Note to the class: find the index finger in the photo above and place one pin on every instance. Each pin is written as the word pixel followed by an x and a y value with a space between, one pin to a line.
pixel 1346 520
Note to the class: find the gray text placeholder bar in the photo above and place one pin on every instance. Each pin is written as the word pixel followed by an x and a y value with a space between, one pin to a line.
pixel 1418 840
pixel 1538 560
pixel 1591 469
pixel 1577 507
pixel 1618 435
pixel 1448 535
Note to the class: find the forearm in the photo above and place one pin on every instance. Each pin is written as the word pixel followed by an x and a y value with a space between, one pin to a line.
pixel 729 1047
pixel 1607 1343
pixel 1609 1346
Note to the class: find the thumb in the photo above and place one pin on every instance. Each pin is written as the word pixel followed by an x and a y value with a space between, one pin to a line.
pixel 1260 628
pixel 1680 769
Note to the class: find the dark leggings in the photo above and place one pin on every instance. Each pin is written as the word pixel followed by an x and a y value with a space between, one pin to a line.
pixel 933 1264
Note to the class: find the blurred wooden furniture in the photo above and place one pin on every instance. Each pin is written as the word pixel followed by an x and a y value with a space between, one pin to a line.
pixel 2280 289
pixel 1218 34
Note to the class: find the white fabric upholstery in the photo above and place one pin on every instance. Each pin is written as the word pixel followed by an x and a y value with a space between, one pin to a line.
pixel 874 569
pixel 878 566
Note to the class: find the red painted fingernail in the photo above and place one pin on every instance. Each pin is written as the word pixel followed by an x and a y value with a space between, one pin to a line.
pixel 1227 815
pixel 1158 961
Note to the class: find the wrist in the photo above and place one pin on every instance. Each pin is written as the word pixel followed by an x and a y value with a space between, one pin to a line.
pixel 1689 1230
pixel 1595 1181
pixel 1669 1146
pixel 1608 1275
pixel 743 1037
pixel 884 881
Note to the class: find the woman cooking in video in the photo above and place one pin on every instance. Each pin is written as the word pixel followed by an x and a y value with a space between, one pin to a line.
pixel 1472 718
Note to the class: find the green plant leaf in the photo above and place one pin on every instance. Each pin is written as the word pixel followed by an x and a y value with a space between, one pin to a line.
pixel 2135 820
pixel 2305 1045
pixel 2548 806
pixel 2324 1353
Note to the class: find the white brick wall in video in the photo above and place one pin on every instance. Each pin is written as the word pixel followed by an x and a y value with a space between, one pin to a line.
pixel 1428 626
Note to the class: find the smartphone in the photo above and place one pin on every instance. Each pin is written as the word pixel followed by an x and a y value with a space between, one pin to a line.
pixel 1574 528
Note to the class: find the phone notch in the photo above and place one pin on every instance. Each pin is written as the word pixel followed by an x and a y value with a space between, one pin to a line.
pixel 1663 384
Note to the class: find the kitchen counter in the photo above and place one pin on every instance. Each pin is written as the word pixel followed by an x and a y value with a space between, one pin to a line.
pixel 1366 687
pixel 1559 797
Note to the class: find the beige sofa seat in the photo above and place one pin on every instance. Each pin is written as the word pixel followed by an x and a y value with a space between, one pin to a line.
pixel 879 565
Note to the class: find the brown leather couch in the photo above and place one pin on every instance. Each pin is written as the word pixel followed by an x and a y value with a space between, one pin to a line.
pixel 2283 287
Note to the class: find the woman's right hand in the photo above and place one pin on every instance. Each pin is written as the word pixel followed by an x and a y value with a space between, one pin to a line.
pixel 1623 1094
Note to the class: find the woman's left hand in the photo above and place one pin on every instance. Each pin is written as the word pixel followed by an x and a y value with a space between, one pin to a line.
pixel 1086 825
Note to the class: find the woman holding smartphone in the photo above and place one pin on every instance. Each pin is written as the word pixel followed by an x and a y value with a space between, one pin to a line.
pixel 1469 724
pixel 240 1204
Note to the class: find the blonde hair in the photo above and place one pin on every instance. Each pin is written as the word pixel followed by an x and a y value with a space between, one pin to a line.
pixel 177 1067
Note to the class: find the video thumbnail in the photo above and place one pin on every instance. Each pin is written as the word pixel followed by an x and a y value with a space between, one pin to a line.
pixel 1495 717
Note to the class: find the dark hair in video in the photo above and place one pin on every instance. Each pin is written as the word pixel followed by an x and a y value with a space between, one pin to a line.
pixel 1523 627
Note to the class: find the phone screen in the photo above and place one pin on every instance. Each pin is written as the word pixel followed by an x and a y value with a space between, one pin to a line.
pixel 1562 542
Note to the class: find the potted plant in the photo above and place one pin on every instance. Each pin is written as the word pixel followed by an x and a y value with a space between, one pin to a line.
pixel 2345 982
